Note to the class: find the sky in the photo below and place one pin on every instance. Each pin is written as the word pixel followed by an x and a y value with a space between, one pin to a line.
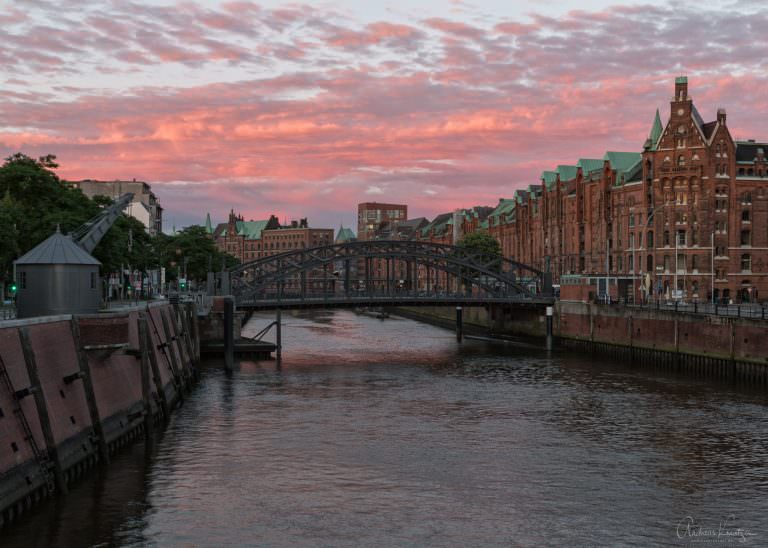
pixel 306 109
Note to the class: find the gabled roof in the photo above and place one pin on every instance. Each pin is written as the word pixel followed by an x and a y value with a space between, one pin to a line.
pixel 625 164
pixel 344 235
pixel 251 229
pixel 621 161
pixel 501 212
pixel 589 165
pixel 549 178
pixel 708 129
pixel 567 172
pixel 57 249
pixel 438 224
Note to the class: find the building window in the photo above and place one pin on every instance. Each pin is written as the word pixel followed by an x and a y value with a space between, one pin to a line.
pixel 649 263
pixel 631 263
pixel 666 238
pixel 745 216
pixel 746 262
pixel 746 237
pixel 667 263
pixel 746 197
pixel 93 280
pixel 649 239
pixel 681 238
pixel 681 160
pixel 694 262
pixel 22 280
pixel 680 262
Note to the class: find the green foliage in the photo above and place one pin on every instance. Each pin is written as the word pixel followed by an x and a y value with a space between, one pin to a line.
pixel 482 243
pixel 35 201
pixel 194 246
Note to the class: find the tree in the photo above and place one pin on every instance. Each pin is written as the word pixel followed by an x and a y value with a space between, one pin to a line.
pixel 193 246
pixel 481 244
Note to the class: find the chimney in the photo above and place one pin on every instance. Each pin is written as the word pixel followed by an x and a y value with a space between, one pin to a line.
pixel 721 116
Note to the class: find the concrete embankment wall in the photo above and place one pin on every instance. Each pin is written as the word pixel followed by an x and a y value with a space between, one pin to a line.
pixel 725 347
pixel 73 389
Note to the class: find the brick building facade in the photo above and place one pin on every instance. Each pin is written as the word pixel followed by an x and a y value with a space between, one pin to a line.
pixel 657 220
pixel 250 240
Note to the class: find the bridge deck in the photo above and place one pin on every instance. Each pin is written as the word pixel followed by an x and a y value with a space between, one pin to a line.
pixel 389 300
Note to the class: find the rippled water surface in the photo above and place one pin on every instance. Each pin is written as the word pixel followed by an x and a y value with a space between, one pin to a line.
pixel 389 433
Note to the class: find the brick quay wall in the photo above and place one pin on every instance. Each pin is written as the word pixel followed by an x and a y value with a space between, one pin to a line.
pixel 74 389
pixel 726 347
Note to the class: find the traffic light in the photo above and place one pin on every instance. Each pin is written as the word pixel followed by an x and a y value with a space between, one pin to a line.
pixel 13 288
pixel 183 284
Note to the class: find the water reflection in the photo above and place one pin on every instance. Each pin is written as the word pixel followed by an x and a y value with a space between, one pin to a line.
pixel 389 433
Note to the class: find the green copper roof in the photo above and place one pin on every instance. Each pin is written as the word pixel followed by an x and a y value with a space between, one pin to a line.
pixel 251 229
pixel 549 178
pixel 622 161
pixel 589 165
pixel 656 131
pixel 344 235
pixel 504 208
pixel 625 164
pixel 681 80
pixel 208 226
pixel 567 173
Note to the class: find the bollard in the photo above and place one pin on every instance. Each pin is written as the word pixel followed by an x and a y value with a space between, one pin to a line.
pixel 459 325
pixel 229 333
pixel 550 313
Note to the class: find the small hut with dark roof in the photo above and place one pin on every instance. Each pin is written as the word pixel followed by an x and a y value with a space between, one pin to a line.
pixel 57 277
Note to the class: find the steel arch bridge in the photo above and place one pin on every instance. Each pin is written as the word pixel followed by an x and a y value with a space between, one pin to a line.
pixel 385 273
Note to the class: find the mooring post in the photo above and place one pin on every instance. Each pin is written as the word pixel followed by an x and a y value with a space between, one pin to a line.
pixel 459 324
pixel 229 333
pixel 278 336
pixel 550 314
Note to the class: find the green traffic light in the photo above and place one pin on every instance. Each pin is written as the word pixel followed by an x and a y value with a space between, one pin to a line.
pixel 13 288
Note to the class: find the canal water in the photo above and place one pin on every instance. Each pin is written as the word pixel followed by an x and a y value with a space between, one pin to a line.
pixel 389 433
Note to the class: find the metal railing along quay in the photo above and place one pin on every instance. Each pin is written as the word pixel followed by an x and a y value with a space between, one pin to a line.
pixel 7 313
pixel 753 310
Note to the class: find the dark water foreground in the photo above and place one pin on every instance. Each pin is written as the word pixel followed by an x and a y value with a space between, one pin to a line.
pixel 388 433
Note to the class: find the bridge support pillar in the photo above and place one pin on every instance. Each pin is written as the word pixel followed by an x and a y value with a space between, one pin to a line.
pixel 278 336
pixel 229 333
pixel 550 313
pixel 225 283
pixel 459 324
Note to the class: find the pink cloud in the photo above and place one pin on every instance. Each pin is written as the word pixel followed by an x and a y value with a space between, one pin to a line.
pixel 438 113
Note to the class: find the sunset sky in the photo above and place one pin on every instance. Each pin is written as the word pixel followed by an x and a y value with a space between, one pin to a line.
pixel 308 109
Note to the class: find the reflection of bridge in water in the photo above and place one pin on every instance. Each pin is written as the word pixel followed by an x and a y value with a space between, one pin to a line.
pixel 386 273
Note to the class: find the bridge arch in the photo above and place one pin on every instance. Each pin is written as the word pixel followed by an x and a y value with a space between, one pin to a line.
pixel 423 270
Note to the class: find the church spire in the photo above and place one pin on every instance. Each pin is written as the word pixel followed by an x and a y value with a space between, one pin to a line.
pixel 208 226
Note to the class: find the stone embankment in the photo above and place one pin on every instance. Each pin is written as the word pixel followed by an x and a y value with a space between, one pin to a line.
pixel 726 347
pixel 74 389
